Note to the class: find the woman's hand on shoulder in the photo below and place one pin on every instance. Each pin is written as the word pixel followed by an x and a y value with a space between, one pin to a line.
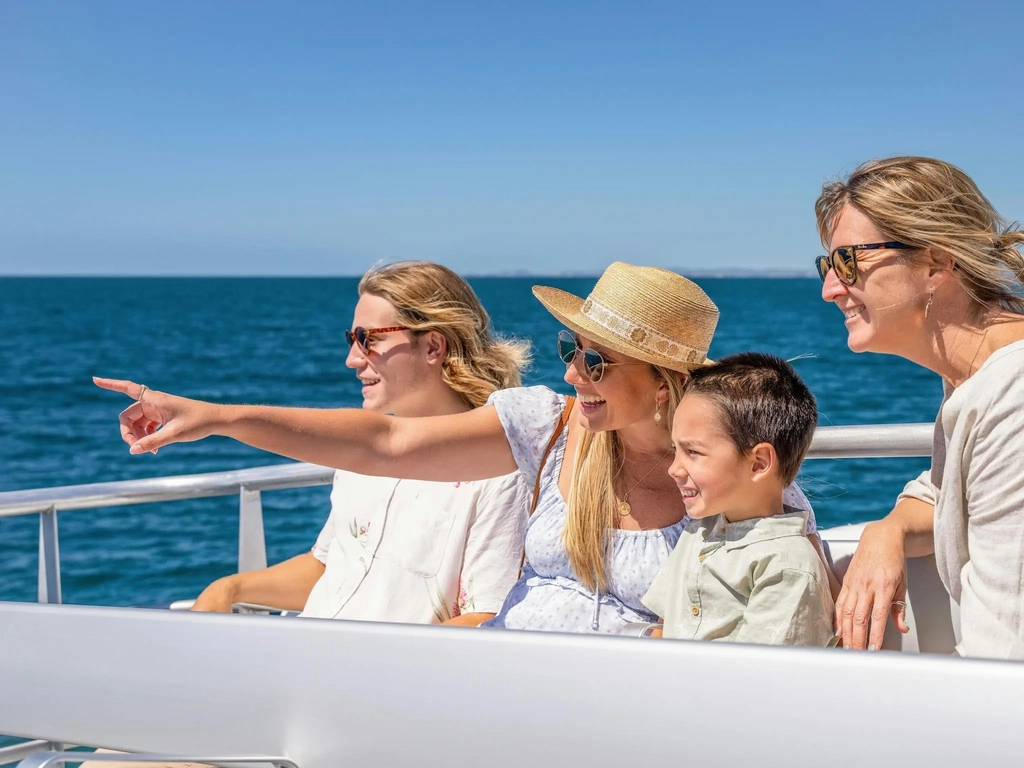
pixel 157 419
pixel 874 587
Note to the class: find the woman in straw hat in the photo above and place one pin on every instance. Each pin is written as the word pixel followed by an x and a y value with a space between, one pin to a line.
pixel 606 514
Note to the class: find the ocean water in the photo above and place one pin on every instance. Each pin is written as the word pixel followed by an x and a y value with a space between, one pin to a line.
pixel 280 341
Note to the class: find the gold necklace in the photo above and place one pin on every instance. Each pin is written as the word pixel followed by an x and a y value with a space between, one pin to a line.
pixel 624 508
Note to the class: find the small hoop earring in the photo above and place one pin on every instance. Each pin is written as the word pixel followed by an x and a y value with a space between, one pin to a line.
pixel 928 306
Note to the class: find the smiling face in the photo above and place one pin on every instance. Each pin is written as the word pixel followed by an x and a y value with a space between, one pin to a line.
pixel 394 368
pixel 625 395
pixel 711 473
pixel 886 302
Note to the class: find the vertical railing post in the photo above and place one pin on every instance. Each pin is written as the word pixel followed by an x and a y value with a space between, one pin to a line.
pixel 49 558
pixel 252 546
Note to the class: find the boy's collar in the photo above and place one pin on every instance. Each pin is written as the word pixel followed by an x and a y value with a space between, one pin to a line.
pixel 792 522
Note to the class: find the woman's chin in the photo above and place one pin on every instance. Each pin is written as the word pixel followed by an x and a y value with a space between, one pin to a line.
pixel 591 422
pixel 858 341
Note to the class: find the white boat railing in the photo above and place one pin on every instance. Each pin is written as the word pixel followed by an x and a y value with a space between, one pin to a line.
pixel 18 752
pixel 247 483
pixel 873 441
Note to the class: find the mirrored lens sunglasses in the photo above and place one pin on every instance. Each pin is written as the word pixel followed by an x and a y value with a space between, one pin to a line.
pixel 844 260
pixel 593 363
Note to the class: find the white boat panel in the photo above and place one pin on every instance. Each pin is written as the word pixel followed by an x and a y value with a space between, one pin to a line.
pixel 338 693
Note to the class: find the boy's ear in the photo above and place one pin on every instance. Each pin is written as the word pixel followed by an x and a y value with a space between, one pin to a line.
pixel 763 461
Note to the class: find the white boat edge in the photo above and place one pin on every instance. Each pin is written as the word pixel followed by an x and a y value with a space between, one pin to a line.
pixel 336 692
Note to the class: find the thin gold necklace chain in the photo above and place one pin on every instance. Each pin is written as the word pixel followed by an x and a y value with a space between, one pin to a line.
pixel 977 351
pixel 624 507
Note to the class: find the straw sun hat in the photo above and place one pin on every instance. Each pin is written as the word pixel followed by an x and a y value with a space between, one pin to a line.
pixel 647 313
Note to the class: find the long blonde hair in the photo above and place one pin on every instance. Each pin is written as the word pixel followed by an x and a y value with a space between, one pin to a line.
pixel 592 505
pixel 930 204
pixel 430 297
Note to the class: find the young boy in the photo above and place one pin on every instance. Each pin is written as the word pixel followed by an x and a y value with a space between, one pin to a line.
pixel 743 570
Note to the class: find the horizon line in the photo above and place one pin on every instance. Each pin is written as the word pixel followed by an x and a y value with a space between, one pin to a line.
pixel 712 274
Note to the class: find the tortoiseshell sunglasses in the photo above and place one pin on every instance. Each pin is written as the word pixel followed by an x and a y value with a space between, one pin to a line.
pixel 364 336
pixel 844 260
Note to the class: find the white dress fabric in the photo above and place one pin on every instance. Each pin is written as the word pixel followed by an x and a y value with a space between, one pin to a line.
pixel 418 552
pixel 548 596
pixel 976 483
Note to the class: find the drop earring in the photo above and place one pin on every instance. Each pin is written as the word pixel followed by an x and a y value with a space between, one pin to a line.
pixel 928 306
pixel 657 413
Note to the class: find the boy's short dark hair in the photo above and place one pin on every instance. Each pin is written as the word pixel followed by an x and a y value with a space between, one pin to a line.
pixel 761 400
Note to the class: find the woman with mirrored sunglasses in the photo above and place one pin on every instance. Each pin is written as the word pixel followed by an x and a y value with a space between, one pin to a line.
pixel 843 260
pixel 940 284
pixel 606 514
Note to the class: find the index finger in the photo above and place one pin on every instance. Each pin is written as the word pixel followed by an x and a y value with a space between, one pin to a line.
pixel 125 387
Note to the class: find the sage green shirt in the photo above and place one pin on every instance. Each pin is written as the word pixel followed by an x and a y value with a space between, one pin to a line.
pixel 754 581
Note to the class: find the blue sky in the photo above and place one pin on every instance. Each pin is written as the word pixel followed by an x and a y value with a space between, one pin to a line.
pixel 316 138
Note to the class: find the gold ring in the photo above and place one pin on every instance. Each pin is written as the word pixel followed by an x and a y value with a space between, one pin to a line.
pixel 141 393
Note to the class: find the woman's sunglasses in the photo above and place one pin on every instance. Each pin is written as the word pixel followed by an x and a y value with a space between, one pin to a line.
pixel 364 336
pixel 844 260
pixel 593 363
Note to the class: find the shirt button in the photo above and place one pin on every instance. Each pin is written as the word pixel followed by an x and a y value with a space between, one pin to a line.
pixel 695 611
pixel 702 558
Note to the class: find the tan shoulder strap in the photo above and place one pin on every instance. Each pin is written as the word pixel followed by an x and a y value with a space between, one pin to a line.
pixel 559 426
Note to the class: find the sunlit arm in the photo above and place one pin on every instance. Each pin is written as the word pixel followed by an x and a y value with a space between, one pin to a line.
pixel 463 446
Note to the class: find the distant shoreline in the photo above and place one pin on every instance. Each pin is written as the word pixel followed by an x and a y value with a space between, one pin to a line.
pixel 696 274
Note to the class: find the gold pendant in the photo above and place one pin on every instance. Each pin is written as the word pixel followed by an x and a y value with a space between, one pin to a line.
pixel 624 508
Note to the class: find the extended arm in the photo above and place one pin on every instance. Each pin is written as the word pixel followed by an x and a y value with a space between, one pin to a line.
pixel 464 446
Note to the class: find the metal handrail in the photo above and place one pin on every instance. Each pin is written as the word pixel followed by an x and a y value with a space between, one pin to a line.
pixel 17 752
pixel 872 441
pixel 47 759
pixel 247 483
pixel 71 497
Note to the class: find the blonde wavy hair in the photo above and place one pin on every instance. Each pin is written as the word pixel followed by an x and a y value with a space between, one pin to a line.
pixel 430 297
pixel 592 503
pixel 933 205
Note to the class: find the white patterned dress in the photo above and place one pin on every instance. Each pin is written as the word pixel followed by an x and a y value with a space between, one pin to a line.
pixel 548 596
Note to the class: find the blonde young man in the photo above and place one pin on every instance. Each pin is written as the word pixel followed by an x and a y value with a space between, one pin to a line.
pixel 408 550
